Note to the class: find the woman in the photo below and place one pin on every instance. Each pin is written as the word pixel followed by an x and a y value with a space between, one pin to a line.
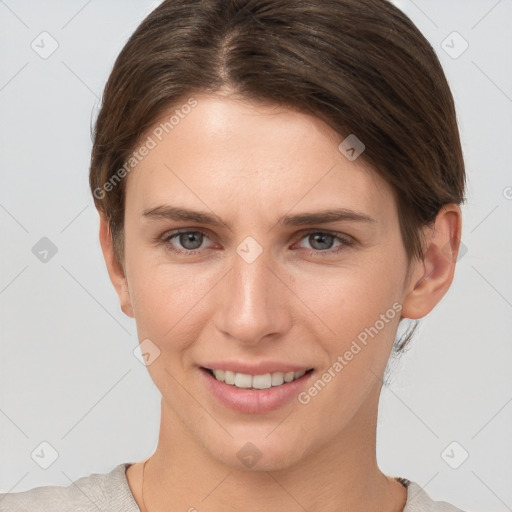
pixel 278 184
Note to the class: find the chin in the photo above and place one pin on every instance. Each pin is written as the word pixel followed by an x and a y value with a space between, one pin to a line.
pixel 258 452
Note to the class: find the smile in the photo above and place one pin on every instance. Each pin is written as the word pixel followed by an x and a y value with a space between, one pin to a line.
pixel 263 381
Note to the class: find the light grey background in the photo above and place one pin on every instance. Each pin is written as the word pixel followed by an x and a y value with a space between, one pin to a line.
pixel 68 374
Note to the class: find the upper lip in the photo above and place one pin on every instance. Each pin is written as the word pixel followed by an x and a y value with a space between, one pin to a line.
pixel 255 368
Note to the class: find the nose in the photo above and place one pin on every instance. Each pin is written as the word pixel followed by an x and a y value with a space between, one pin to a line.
pixel 254 301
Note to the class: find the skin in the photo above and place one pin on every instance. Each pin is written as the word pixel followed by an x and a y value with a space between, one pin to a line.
pixel 251 163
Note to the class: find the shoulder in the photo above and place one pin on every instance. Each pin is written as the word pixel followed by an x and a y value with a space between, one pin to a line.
pixel 93 493
pixel 419 501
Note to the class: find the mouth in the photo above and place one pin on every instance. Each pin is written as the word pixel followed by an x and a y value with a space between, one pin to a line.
pixel 255 382
pixel 255 393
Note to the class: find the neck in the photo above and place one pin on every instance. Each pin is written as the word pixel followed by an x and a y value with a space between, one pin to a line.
pixel 342 474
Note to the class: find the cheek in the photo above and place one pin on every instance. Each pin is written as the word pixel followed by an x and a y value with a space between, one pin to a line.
pixel 357 314
pixel 357 311
pixel 348 299
pixel 171 302
pixel 166 303
pixel 165 298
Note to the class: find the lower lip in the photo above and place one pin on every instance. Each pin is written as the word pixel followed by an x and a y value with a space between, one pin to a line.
pixel 254 401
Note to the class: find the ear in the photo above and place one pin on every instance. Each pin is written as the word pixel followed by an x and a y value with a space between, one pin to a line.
pixel 432 276
pixel 115 269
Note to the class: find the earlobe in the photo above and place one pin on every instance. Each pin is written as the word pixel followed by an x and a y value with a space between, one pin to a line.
pixel 433 275
pixel 115 269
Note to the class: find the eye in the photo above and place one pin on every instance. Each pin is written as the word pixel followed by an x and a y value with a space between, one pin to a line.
pixel 187 242
pixel 190 242
pixel 322 242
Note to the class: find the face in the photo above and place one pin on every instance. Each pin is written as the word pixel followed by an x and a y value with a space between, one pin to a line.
pixel 265 278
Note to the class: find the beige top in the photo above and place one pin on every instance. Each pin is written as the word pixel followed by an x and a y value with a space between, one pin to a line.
pixel 110 492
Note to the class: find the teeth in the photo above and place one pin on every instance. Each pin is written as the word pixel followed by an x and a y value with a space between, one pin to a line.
pixel 265 381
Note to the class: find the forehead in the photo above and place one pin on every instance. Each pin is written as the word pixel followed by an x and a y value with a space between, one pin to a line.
pixel 231 154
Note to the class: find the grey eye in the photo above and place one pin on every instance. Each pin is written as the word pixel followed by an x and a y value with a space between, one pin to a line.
pixel 321 241
pixel 191 240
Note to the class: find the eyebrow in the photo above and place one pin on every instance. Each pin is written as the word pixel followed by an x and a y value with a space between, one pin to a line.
pixel 302 219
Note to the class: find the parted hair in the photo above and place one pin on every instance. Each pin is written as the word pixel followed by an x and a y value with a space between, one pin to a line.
pixel 361 66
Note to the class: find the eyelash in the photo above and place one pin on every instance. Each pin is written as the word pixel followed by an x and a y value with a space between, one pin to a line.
pixel 346 242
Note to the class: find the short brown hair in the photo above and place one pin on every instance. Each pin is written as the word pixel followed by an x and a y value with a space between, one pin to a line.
pixel 361 66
